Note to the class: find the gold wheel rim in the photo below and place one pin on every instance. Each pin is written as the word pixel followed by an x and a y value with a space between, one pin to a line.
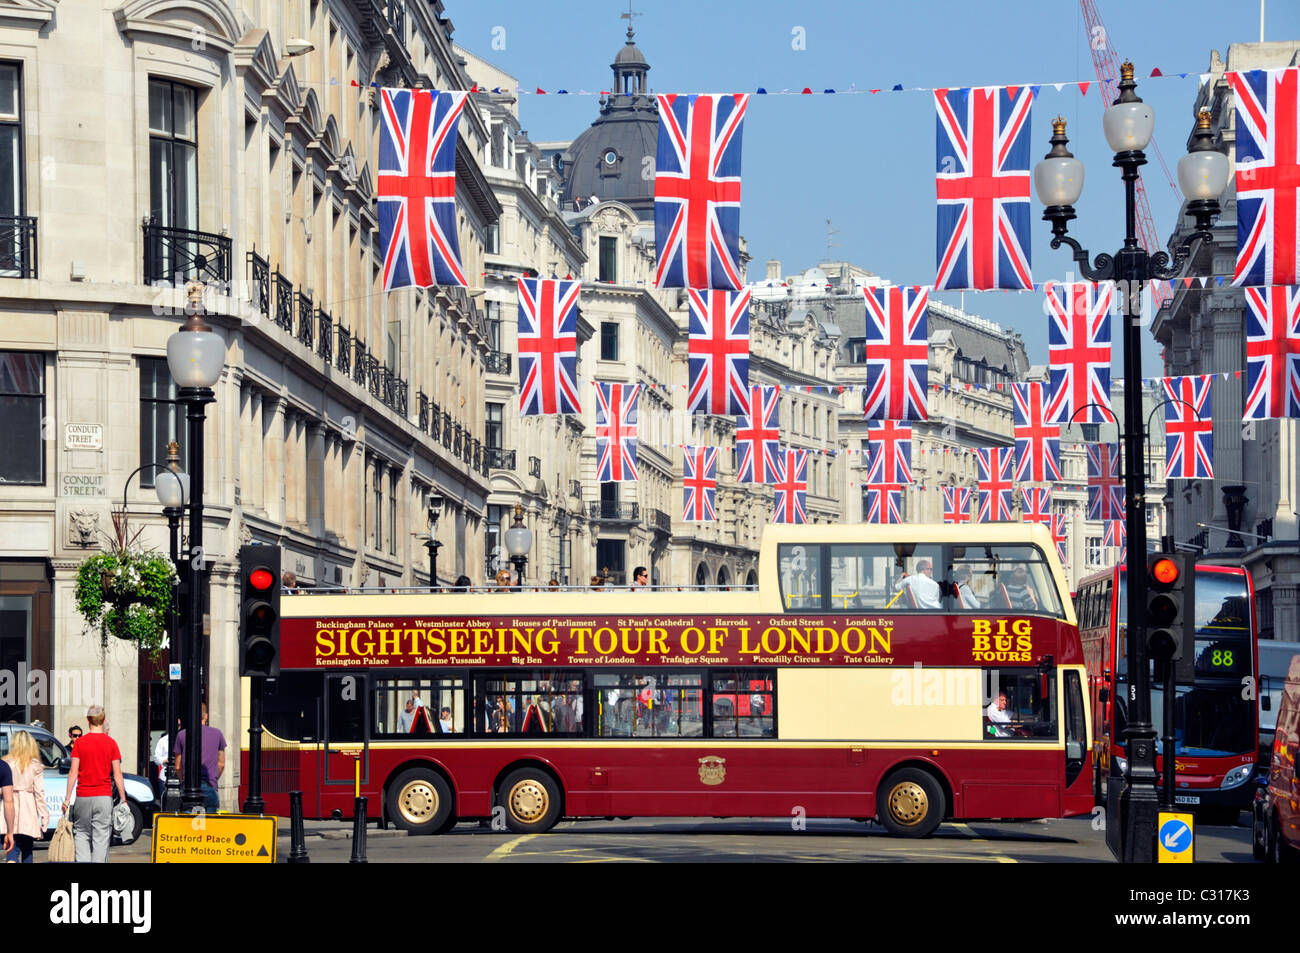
pixel 529 801
pixel 417 802
pixel 908 804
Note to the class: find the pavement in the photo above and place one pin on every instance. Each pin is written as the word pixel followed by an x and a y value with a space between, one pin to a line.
pixel 659 840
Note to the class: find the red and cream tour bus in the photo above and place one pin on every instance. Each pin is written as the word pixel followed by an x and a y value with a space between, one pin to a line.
pixel 1216 723
pixel 907 673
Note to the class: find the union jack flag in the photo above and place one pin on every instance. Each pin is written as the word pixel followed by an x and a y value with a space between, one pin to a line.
pixel 897 354
pixel 417 187
pixel 1038 445
pixel 1268 176
pixel 1105 492
pixel 1079 352
pixel 791 497
pixel 1060 537
pixel 758 437
pixel 885 503
pixel 1117 535
pixel 1189 432
pixel 616 432
pixel 700 484
pixel 982 180
pixel 889 458
pixel 697 191
pixel 718 352
pixel 956 504
pixel 548 346
pixel 1036 505
pixel 994 484
pixel 1272 352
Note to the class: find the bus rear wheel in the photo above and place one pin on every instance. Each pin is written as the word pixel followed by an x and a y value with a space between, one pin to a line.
pixel 910 803
pixel 420 801
pixel 531 799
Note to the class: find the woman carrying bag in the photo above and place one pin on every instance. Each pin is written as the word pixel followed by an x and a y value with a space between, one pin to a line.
pixel 31 815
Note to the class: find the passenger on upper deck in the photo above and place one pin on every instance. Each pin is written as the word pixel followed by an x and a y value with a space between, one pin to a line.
pixel 1016 593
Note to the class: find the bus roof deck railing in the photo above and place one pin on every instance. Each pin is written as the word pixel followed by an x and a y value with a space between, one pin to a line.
pixel 334 590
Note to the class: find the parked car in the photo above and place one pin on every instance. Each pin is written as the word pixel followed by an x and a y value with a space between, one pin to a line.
pixel 1276 829
pixel 58 762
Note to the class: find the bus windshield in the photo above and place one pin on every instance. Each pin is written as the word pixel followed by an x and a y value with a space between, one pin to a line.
pixel 1220 716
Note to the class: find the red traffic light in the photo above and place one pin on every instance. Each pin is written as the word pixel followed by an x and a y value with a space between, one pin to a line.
pixel 261 579
pixel 1165 571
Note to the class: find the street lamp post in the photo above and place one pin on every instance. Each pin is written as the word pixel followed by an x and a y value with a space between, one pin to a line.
pixel 1202 174
pixel 195 356
pixel 173 489
pixel 432 544
pixel 519 540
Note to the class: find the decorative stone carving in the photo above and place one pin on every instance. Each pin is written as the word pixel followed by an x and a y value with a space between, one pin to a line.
pixel 83 526
pixel 245 534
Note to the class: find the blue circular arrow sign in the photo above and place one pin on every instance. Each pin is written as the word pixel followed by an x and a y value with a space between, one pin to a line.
pixel 1175 836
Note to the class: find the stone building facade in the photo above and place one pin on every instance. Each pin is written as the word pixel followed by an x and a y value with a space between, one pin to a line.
pixel 240 134
pixel 1247 514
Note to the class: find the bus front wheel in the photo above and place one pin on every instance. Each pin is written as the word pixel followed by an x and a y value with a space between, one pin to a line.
pixel 531 799
pixel 420 801
pixel 910 803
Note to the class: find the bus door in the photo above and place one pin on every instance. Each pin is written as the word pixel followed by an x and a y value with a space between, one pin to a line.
pixel 346 741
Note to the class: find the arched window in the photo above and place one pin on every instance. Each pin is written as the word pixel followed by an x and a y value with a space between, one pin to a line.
pixel 752 578
pixel 702 575
pixel 724 578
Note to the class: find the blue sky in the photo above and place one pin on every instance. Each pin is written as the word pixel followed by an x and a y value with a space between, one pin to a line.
pixel 867 161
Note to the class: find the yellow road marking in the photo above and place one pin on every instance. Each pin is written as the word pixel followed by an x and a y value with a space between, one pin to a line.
pixel 1004 859
pixel 973 836
pixel 507 847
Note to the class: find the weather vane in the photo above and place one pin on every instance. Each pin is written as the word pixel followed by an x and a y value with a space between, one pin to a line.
pixel 628 17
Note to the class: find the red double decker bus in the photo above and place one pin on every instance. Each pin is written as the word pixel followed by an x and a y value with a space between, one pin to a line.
pixel 907 673
pixel 1216 718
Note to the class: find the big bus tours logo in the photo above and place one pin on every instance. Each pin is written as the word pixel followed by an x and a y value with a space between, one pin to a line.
pixel 1002 640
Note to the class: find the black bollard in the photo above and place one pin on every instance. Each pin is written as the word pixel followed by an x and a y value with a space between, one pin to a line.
pixel 297 838
pixel 359 832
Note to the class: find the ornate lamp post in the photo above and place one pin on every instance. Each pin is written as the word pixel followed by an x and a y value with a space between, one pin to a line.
pixel 1202 174
pixel 195 356
pixel 519 540
pixel 173 489
pixel 432 544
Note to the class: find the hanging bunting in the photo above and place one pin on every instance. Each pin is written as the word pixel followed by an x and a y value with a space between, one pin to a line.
pixel 416 188
pixel 700 484
pixel 897 354
pixel 548 346
pixel 982 180
pixel 616 432
pixel 718 352
pixel 1189 432
pixel 1268 176
pixel 1079 352
pixel 1272 352
pixel 697 191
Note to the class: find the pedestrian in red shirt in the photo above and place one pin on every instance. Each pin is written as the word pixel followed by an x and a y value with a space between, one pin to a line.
pixel 96 770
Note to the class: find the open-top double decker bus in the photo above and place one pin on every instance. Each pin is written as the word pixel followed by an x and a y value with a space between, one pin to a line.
pixel 908 673
pixel 1216 719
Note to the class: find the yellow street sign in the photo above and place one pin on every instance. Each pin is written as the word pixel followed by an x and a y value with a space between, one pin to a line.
pixel 1175 838
pixel 214 839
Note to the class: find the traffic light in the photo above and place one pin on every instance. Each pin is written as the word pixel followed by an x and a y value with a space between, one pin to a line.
pixel 1171 601
pixel 259 613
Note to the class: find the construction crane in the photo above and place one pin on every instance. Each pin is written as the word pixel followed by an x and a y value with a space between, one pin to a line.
pixel 1107 65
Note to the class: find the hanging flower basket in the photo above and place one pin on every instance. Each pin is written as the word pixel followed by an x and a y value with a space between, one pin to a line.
pixel 126 593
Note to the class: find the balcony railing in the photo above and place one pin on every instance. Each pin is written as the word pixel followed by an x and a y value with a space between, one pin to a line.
pixel 422 411
pixel 396 16
pixel 343 353
pixel 283 302
pixel 446 430
pixel 325 336
pixel 498 362
pixel 178 255
pixel 457 439
pixel 17 246
pixel 498 459
pixel 305 321
pixel 476 457
pixel 535 466
pixel 259 280
pixel 375 376
pixel 360 361
pixel 609 510
pixel 435 422
pixel 575 489
pixel 661 521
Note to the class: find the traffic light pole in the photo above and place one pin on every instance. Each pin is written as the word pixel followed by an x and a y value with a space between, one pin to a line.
pixel 192 791
pixel 253 804
pixel 1169 737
